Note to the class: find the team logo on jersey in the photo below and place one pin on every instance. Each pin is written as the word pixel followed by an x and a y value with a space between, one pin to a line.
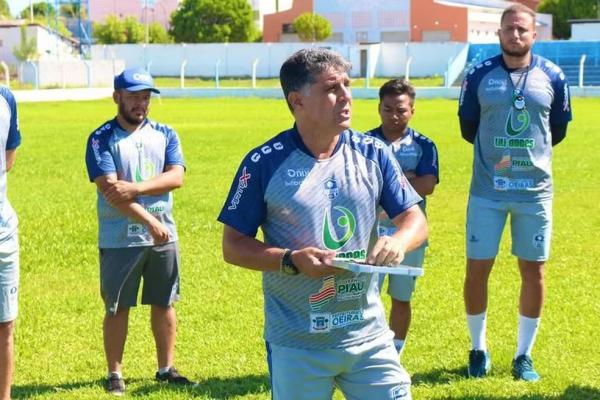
pixel 148 171
pixel 346 221
pixel 242 184
pixel 522 117
pixel 331 188
pixel 96 150
pixel 324 295
pixel 399 392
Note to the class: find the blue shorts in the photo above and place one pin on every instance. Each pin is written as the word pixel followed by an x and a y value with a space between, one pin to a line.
pixel 367 371
pixel 9 278
pixel 530 223
pixel 401 287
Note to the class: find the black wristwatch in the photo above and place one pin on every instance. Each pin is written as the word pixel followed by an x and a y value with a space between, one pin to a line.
pixel 287 266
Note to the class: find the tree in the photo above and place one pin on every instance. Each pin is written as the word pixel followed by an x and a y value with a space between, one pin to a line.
pixel 312 27
pixel 42 9
pixel 134 31
pixel 27 50
pixel 4 9
pixel 213 21
pixel 564 10
pixel 158 34
pixel 128 30
pixel 110 32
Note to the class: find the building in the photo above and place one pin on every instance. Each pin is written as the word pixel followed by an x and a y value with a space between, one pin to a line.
pixel 375 21
pixel 585 29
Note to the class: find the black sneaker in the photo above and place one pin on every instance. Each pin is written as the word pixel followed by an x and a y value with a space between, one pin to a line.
pixel 115 385
pixel 173 377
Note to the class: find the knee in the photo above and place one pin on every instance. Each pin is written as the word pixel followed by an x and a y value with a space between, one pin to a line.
pixel 400 305
pixel 6 330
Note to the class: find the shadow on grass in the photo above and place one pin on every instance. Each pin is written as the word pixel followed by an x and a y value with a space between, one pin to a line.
pixel 215 388
pixel 438 376
pixel 27 391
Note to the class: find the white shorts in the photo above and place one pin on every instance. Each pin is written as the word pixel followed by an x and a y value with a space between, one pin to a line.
pixel 367 371
pixel 530 223
pixel 9 279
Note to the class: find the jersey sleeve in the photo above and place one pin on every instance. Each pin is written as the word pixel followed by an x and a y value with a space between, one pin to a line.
pixel 98 158
pixel 397 194
pixel 245 208
pixel 428 163
pixel 560 111
pixel 468 105
pixel 14 134
pixel 173 152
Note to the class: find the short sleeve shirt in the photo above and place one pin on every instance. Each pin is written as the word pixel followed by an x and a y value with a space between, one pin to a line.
pixel 133 157
pixel 299 201
pixel 513 145
pixel 10 139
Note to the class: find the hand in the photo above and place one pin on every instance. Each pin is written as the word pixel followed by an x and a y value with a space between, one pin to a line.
pixel 387 251
pixel 120 191
pixel 314 262
pixel 159 232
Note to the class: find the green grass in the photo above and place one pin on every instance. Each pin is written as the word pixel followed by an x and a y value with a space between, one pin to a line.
pixel 58 335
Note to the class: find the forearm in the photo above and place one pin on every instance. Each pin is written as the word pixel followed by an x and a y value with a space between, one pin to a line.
pixel 423 185
pixel 135 211
pixel 248 252
pixel 411 228
pixel 162 183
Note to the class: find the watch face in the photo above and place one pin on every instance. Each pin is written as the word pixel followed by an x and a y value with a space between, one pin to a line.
pixel 289 269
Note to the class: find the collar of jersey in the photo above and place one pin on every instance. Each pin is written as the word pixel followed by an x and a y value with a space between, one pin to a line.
pixel 116 123
pixel 297 139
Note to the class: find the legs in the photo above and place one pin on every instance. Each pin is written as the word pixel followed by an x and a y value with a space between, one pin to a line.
pixel 164 324
pixel 6 358
pixel 115 334
pixel 400 316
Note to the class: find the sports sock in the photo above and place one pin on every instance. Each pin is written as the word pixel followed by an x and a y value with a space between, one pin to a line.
pixel 164 370
pixel 118 373
pixel 528 329
pixel 399 345
pixel 477 330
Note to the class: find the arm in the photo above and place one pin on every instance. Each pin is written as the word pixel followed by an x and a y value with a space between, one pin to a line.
pixel 120 191
pixel 411 233
pixel 468 129
pixel 10 158
pixel 248 252
pixel 423 185
pixel 559 131
pixel 133 210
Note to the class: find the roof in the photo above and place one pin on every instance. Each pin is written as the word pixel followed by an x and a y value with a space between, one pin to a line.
pixel 15 23
pixel 583 21
pixel 495 4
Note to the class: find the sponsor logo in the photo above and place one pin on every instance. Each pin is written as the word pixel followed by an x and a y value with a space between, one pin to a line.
pixel 331 188
pixel 496 85
pixel 539 240
pixel 135 230
pixel 242 184
pixel 503 184
pixel 297 176
pixel 142 77
pixel 346 221
pixel 324 295
pixel 359 254
pixel 473 239
pixel 566 105
pixel 522 117
pixel 325 322
pixel 13 290
pixel 521 164
pixel 156 209
pixel 96 150
pixel 399 392
pixel 350 289
pixel 266 149
pixel 463 90
pixel 503 166
pixel 513 143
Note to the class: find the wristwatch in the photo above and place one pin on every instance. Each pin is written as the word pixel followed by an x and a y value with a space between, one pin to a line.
pixel 287 266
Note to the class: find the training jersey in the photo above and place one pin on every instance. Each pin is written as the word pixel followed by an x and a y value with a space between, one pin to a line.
pixel 415 152
pixel 513 145
pixel 331 204
pixel 133 157
pixel 10 139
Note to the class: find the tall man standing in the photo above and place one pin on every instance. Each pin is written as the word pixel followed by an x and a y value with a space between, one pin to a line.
pixel 418 158
pixel 513 107
pixel 10 137
pixel 136 163
pixel 314 190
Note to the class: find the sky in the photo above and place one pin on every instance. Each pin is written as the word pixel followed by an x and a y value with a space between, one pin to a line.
pixel 17 5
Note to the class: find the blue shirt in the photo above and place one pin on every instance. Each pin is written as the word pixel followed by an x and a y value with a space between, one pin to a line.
pixel 513 144
pixel 133 157
pixel 299 201
pixel 10 139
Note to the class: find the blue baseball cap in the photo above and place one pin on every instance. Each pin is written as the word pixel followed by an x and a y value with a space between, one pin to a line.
pixel 134 80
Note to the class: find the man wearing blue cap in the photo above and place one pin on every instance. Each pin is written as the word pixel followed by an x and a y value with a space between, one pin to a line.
pixel 136 163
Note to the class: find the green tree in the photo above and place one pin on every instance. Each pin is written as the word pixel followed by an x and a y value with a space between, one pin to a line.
pixel 158 34
pixel 42 9
pixel 311 27
pixel 564 10
pixel 115 31
pixel 213 21
pixel 27 50
pixel 111 31
pixel 134 31
pixel 4 10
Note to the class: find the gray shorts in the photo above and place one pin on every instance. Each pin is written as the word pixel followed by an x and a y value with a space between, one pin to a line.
pixel 530 226
pixel 122 269
pixel 9 278
pixel 402 287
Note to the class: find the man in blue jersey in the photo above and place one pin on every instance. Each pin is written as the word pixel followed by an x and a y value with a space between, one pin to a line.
pixel 314 190
pixel 513 107
pixel 9 244
pixel 418 158
pixel 136 163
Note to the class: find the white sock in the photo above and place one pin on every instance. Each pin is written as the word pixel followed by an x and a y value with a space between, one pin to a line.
pixel 118 373
pixel 164 370
pixel 528 329
pixel 399 345
pixel 477 330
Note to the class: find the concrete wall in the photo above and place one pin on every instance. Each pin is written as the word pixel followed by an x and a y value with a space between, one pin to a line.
pixel 74 73
pixel 49 45
pixel 585 31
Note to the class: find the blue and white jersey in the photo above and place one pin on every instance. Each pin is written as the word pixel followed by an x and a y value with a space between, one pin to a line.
pixel 416 153
pixel 10 139
pixel 513 145
pixel 133 157
pixel 300 201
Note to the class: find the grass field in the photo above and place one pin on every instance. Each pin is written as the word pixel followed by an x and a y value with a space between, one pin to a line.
pixel 58 335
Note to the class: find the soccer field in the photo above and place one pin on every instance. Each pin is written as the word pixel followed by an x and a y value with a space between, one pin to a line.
pixel 59 352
